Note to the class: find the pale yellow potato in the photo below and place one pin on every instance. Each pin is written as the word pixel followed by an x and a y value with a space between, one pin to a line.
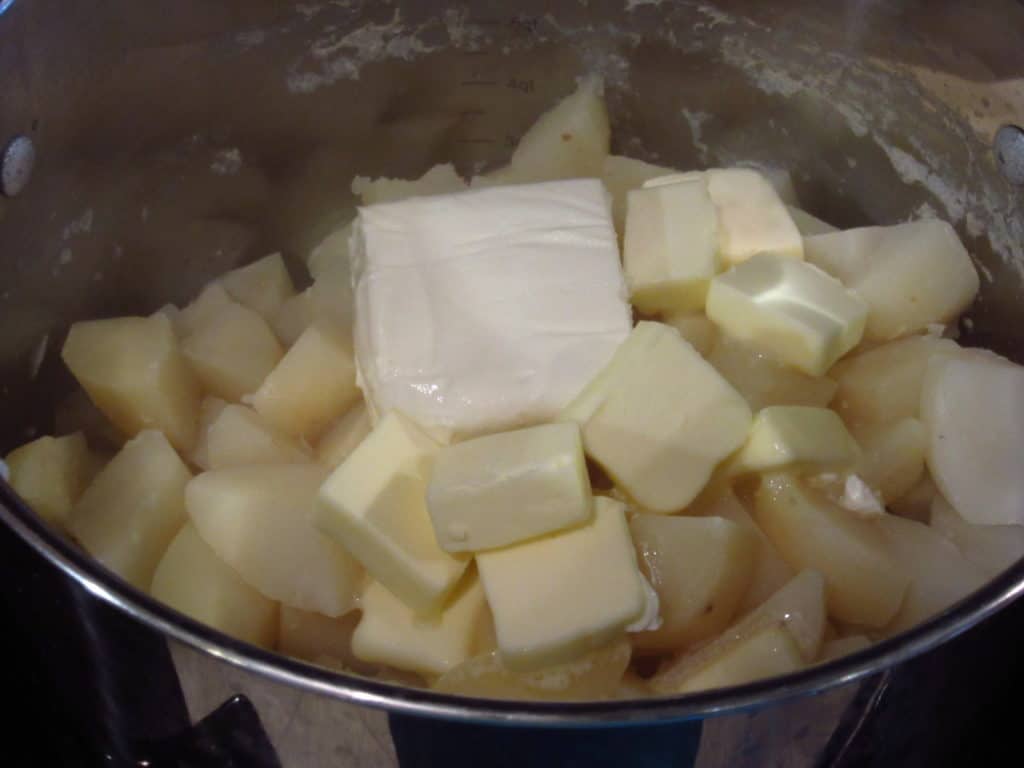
pixel 131 511
pixel 239 437
pixel 992 548
pixel 263 286
pixel 843 646
pixel 439 180
pixel 232 353
pixel 259 520
pixel 312 636
pixel 344 435
pixel 209 410
pixel 622 174
pixel 192 579
pixel 807 224
pixel 892 457
pixel 764 381
pixel 594 676
pixel 211 300
pixel 331 252
pixel 135 373
pixel 883 385
pixel 939 574
pixel 694 328
pixel 314 383
pixel 173 313
pixel 700 567
pixel 865 582
pixel 50 474
pixel 293 317
pixel 77 413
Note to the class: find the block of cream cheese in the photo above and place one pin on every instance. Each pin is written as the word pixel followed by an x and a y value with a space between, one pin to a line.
pixel 659 418
pixel 390 632
pixel 795 436
pixel 671 246
pixel 488 309
pixel 375 505
pixel 790 309
pixel 502 489
pixel 752 218
pixel 558 597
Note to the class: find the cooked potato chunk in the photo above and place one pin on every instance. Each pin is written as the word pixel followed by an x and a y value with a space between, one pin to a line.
pixel 293 317
pixel 211 300
pixel 209 410
pixel 344 435
pixel 50 474
pixel 263 286
pixel 622 174
pixel 892 457
pixel 992 548
pixel 239 437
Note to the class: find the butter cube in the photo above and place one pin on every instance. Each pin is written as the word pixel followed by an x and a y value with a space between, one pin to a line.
pixel 795 437
pixel 50 474
pixel 789 309
pixel 391 633
pixel 374 504
pixel 558 597
pixel 506 488
pixel 623 174
pixel 671 246
pixel 314 383
pixel 752 218
pixel 659 418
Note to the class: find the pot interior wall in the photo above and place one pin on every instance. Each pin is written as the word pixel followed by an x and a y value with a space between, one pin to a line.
pixel 179 139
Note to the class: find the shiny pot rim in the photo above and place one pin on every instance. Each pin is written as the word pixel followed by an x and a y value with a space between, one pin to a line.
pixel 108 587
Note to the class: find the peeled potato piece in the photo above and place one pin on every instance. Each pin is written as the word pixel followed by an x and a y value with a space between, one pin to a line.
pixel 262 286
pixel 344 435
pixel 239 437
pixel 843 646
pixel 50 474
pixel 892 457
pixel 992 548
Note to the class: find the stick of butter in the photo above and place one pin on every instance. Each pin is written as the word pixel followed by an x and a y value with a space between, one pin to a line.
pixel 794 437
pixel 561 596
pixel 506 488
pixel 659 418
pixel 374 505
pixel 790 309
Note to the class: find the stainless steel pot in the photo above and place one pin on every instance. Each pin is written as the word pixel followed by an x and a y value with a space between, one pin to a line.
pixel 175 140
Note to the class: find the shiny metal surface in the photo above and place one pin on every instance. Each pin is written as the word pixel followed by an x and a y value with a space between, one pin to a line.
pixel 1009 149
pixel 881 111
pixel 16 163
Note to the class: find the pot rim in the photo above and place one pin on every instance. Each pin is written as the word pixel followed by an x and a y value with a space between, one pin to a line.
pixel 106 586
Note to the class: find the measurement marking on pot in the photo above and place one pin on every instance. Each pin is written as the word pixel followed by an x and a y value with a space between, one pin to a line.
pixel 479 82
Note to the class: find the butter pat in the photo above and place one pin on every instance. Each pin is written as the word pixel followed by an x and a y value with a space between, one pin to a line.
pixel 659 418
pixel 503 489
pixel 391 633
pixel 671 246
pixel 790 309
pixel 511 299
pixel 793 436
pixel 374 505
pixel 559 597
pixel 752 218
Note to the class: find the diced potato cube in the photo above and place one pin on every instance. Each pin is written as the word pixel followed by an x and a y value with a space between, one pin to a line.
pixel 331 253
pixel 883 385
pixel 992 548
pixel 911 275
pixel 799 608
pixel 557 597
pixel 939 574
pixel 50 474
pixel 568 141
pixel 695 328
pixel 659 418
pixel 505 488
pixel 439 180
pixel 807 224
pixel 262 286
pixel 77 413
pixel 233 352
pixel 622 174
pixel 794 437
pixel 374 504
pixel 314 383
pixel 134 372
pixel 789 309
pixel 258 520
pixel 131 511
pixel 591 677
pixel 239 437
pixel 209 410
pixel 764 381
pixel 390 632
pixel 211 300
pixel 843 646
pixel 700 567
pixel 892 457
pixel 192 579
pixel 671 246
pixel 865 584
pixel 173 314
pixel 293 317
pixel 972 406
pixel 313 637
pixel 344 436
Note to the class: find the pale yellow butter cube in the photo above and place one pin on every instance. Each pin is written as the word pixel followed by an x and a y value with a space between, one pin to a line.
pixel 262 286
pixel 791 309
pixel 50 474
pixel 344 435
pixel 795 437
pixel 671 246
pixel 505 488
pixel 312 385
pixel 238 437
pixel 391 633
pixel 374 504
pixel 659 418
pixel 556 598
